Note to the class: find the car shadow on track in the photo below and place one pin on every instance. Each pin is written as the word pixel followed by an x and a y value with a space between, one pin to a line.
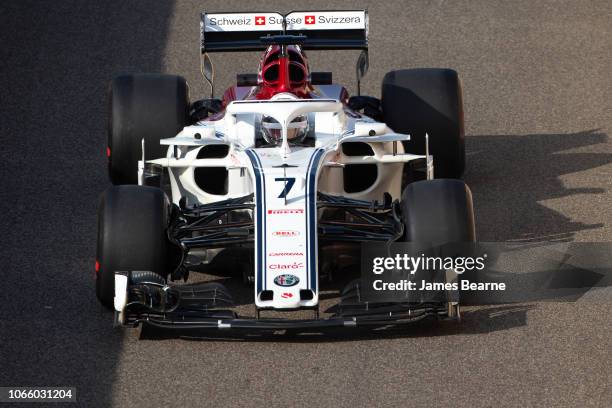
pixel 512 175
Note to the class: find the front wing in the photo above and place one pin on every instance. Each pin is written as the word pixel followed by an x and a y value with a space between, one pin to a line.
pixel 209 306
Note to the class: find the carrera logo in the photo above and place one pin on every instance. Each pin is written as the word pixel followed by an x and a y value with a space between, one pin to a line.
pixel 295 265
pixel 287 211
pixel 285 233
pixel 286 254
pixel 310 19
pixel 260 20
pixel 287 295
pixel 286 280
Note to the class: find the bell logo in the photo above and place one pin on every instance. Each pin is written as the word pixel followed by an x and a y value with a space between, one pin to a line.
pixel 310 19
pixel 260 20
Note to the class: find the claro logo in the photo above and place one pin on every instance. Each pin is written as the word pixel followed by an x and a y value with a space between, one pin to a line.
pixel 285 233
pixel 277 266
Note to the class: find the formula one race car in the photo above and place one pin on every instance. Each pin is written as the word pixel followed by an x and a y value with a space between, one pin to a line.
pixel 287 168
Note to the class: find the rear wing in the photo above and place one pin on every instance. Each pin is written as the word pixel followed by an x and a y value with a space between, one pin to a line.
pixel 323 30
pixel 315 30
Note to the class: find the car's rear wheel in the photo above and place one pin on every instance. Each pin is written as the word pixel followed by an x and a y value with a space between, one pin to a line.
pixel 143 106
pixel 428 100
pixel 132 223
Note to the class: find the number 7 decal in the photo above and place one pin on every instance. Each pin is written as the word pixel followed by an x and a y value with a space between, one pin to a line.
pixel 289 182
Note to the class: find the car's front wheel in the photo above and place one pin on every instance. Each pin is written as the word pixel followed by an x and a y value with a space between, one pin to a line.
pixel 435 213
pixel 132 223
pixel 438 211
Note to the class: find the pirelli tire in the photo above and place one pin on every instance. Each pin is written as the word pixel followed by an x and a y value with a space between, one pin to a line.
pixel 438 212
pixel 428 100
pixel 143 106
pixel 132 224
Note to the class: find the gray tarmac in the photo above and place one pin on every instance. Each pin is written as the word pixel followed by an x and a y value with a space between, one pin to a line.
pixel 538 95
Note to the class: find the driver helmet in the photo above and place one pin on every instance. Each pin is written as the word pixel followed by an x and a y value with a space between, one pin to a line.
pixel 272 130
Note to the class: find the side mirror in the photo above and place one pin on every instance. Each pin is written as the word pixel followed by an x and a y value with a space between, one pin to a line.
pixel 201 109
pixel 246 79
pixel 370 105
pixel 363 64
pixel 208 72
pixel 321 78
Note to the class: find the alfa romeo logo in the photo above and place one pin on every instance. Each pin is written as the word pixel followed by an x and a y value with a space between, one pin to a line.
pixel 286 280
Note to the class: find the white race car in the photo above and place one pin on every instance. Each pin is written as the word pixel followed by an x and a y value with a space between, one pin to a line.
pixel 285 168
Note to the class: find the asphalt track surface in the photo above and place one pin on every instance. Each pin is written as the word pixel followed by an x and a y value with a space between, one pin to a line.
pixel 538 96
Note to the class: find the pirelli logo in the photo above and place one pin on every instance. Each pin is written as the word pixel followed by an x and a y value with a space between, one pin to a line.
pixel 287 211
